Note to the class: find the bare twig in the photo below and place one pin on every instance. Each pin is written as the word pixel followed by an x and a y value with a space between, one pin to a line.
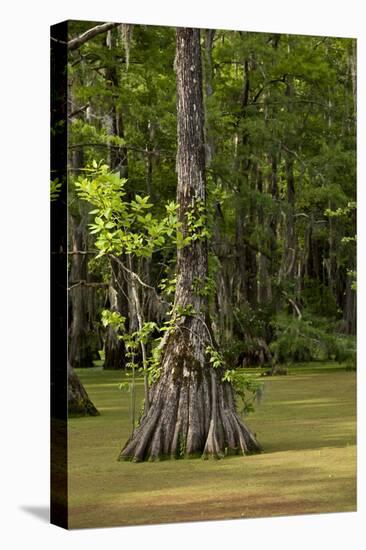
pixel 132 273
pixel 78 111
pixel 81 252
pixel 83 283
pixel 137 278
pixel 118 283
pixel 296 308
pixel 147 152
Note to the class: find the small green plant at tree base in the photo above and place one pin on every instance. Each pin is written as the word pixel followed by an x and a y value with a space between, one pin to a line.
pixel 247 389
pixel 132 343
pixel 215 357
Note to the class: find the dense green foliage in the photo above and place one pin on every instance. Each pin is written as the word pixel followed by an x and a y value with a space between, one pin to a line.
pixel 281 172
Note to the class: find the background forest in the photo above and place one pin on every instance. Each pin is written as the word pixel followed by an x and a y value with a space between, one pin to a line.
pixel 281 172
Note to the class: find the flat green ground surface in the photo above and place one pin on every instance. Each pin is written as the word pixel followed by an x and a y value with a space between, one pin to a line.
pixel 306 424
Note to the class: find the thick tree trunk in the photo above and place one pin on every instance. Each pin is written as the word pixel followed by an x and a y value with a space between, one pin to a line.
pixel 83 340
pixel 191 411
pixel 80 351
pixel 78 400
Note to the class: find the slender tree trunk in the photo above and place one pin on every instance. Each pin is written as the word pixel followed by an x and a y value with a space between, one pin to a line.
pixel 246 258
pixel 264 290
pixel 115 353
pixel 273 225
pixel 349 315
pixel 290 253
pixel 114 348
pixel 288 267
pixel 140 323
pixel 192 412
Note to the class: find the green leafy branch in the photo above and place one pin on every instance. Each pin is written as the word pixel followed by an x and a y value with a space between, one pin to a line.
pixel 120 225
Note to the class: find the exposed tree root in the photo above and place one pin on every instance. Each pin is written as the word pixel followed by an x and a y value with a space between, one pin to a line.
pixel 189 417
pixel 78 400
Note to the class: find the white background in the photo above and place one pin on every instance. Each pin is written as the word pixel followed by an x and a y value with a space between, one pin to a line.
pixel 24 303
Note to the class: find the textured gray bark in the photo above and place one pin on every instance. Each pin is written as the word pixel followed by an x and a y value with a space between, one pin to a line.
pixel 83 339
pixel 191 411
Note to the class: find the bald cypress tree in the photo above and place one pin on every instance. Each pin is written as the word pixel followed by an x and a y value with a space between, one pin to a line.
pixel 192 411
